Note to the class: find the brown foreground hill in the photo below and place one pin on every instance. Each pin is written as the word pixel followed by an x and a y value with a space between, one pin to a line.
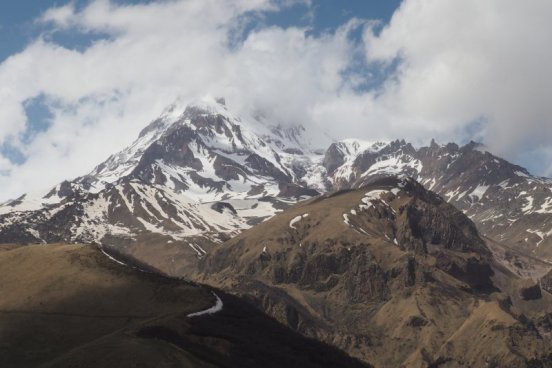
pixel 72 306
pixel 393 275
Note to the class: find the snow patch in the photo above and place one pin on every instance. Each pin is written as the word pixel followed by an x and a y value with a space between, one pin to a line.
pixel 200 251
pixel 542 235
pixel 479 191
pixel 112 258
pixel 346 219
pixel 529 206
pixel 371 197
pixel 296 219
pixel 546 207
pixel 395 165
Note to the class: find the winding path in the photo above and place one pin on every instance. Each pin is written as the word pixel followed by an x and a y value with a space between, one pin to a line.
pixel 111 257
pixel 214 309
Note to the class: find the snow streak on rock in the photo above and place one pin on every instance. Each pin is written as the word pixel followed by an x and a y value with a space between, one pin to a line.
pixel 212 310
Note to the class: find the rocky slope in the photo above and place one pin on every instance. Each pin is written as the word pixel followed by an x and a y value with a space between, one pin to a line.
pixel 507 203
pixel 392 274
pixel 199 175
pixel 72 306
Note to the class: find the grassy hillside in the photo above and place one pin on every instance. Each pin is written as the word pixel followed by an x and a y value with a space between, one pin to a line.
pixel 72 306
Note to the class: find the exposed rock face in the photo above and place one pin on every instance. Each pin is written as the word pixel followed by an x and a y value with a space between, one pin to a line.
pixel 222 206
pixel 530 290
pixel 546 282
pixel 426 219
pixel 473 270
pixel 365 280
pixel 333 158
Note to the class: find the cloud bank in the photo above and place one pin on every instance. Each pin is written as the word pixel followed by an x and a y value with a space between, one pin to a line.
pixel 441 68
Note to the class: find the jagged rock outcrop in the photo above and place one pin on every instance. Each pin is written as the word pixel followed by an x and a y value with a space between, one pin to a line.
pixel 546 282
pixel 530 290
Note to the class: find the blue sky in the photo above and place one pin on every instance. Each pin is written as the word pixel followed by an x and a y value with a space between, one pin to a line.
pixel 18 27
pixel 330 14
pixel 79 80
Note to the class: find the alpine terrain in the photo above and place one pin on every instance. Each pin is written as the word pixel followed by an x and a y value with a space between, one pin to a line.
pixel 199 175
pixel 436 256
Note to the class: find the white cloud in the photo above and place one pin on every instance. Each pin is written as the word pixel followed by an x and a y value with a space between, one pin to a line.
pixel 61 16
pixel 461 61
pixel 465 60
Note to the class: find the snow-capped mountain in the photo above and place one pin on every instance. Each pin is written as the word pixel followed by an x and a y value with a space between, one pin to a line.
pixel 507 203
pixel 195 176
pixel 198 175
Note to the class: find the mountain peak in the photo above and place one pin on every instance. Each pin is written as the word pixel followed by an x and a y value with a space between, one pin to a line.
pixel 475 146
pixel 209 104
